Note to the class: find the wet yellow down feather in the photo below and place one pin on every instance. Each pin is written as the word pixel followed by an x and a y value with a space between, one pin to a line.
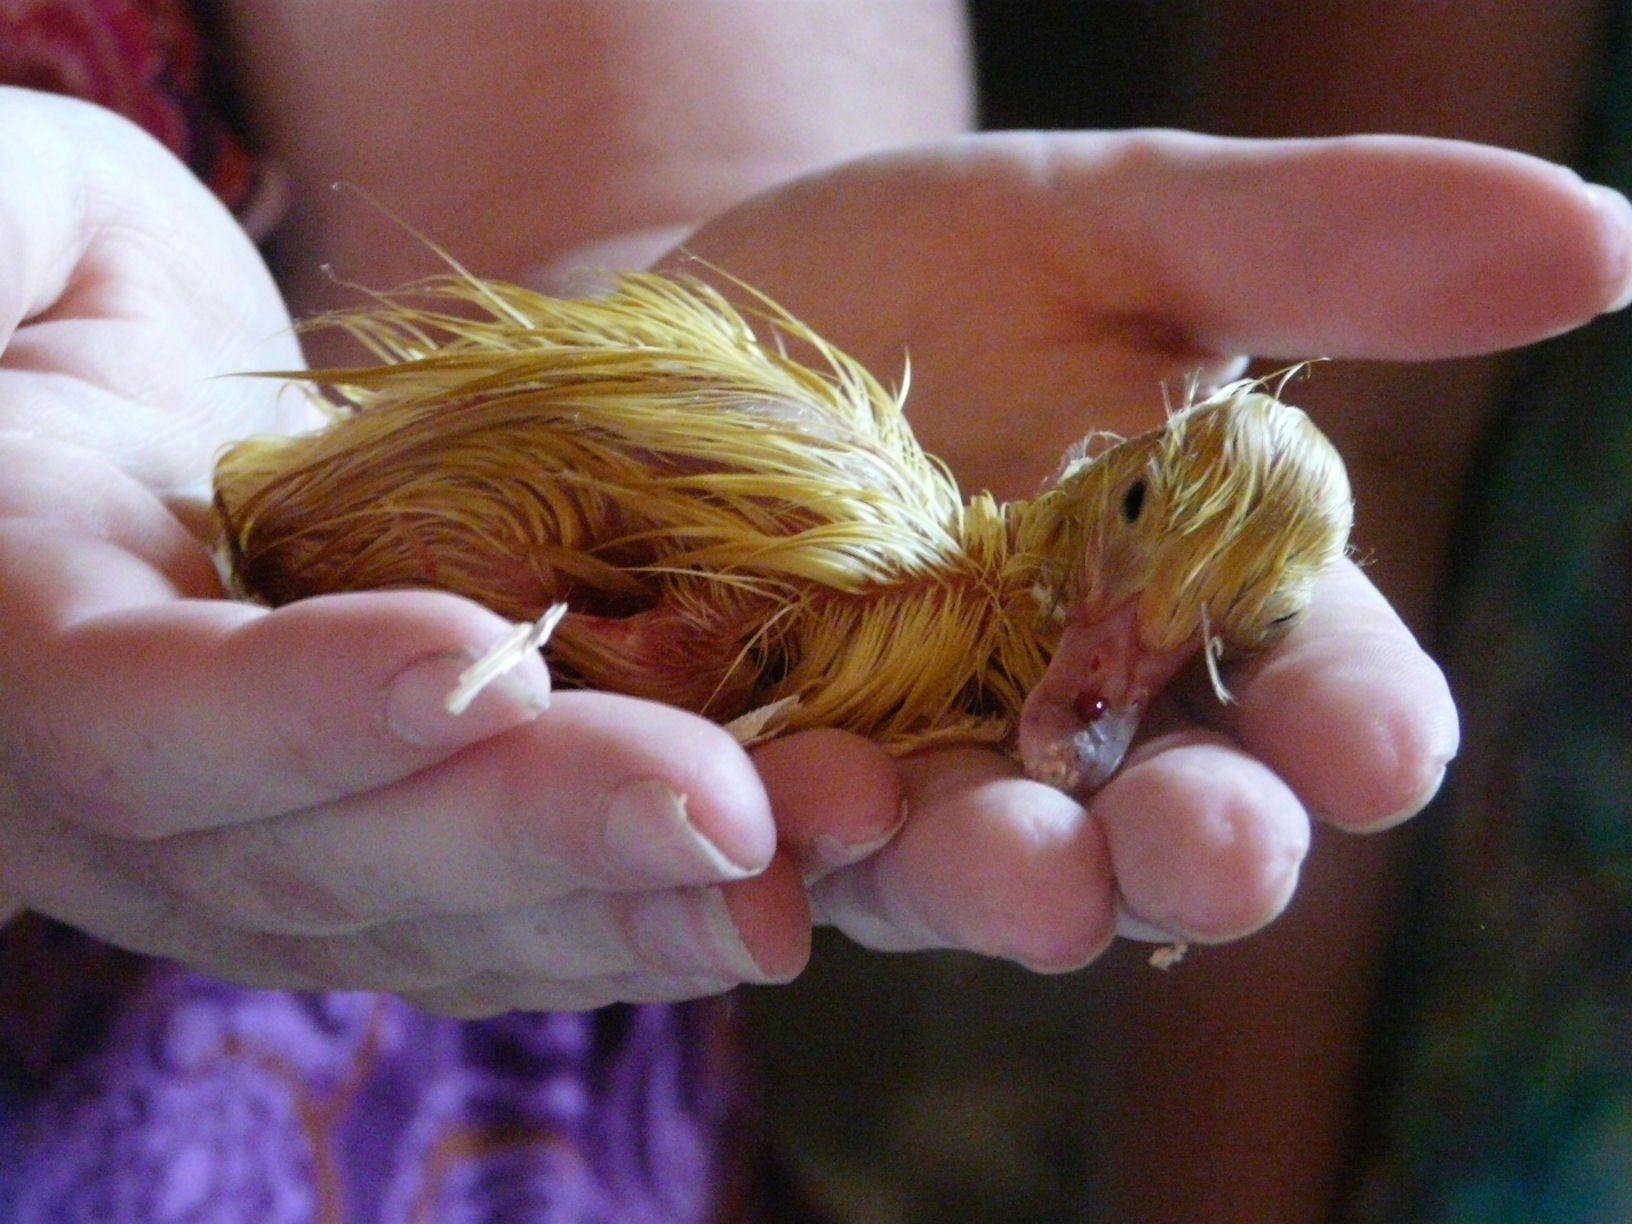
pixel 738 516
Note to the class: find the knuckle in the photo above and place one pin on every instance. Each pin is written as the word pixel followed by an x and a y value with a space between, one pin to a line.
pixel 64 778
pixel 260 891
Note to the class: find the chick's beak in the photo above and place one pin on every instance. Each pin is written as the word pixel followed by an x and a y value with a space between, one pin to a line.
pixel 1077 723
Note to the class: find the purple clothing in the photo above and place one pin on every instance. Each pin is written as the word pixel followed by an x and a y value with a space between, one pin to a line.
pixel 172 1098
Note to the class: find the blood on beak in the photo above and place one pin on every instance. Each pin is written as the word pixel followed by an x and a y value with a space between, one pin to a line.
pixel 1077 723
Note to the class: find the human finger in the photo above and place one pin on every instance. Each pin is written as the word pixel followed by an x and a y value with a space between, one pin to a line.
pixel 1096 273
pixel 988 861
pixel 680 932
pixel 1205 842
pixel 709 938
pixel 166 715
pixel 1358 246
pixel 750 931
pixel 836 795
pixel 494 994
pixel 1364 246
pixel 147 702
pixel 604 793
pixel 86 358
pixel 769 916
pixel 489 995
pixel 1348 709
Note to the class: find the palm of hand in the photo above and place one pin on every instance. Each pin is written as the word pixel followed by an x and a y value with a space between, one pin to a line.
pixel 122 321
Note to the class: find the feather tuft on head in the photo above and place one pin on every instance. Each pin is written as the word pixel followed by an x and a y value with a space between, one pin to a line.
pixel 1222 519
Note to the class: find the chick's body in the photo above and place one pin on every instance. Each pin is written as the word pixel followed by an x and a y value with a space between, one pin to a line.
pixel 732 526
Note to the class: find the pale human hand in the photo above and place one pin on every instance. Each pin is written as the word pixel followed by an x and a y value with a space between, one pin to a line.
pixel 209 781
pixel 280 798
pixel 1047 284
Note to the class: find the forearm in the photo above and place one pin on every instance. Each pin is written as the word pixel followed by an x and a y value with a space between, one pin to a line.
pixel 515 133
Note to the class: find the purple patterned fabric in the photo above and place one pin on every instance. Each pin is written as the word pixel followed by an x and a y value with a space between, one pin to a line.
pixel 189 1100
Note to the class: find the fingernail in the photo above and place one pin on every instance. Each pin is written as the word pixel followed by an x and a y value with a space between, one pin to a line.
pixel 648 834
pixel 1130 926
pixel 416 709
pixel 829 852
pixel 692 932
pixel 1616 212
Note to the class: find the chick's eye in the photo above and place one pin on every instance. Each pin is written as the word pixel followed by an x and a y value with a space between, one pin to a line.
pixel 1133 501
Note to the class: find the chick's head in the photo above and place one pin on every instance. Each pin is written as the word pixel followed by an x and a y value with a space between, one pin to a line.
pixel 1208 533
pixel 1218 524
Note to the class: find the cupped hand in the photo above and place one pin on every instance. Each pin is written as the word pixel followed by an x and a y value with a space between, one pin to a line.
pixel 280 797
pixel 1045 285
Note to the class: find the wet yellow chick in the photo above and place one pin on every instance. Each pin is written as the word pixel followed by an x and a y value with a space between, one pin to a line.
pixel 739 521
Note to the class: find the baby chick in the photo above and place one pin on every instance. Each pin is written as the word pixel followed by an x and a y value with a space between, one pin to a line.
pixel 738 522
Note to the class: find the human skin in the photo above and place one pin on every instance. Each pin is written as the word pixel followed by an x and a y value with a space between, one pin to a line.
pixel 258 800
